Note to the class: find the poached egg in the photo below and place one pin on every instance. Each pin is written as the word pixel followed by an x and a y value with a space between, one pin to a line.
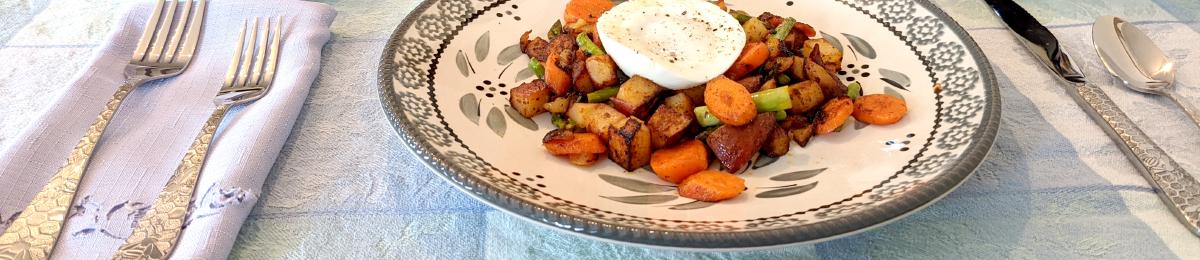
pixel 678 44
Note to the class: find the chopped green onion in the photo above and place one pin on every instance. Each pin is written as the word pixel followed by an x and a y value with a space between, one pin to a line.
pixel 780 115
pixel 854 90
pixel 536 67
pixel 705 118
pixel 784 28
pixel 602 95
pixel 776 99
pixel 555 30
pixel 741 16
pixel 587 45
pixel 783 79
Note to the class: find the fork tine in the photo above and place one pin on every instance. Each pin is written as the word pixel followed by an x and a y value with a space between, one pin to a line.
pixel 271 64
pixel 164 31
pixel 178 32
pixel 237 56
pixel 148 32
pixel 193 34
pixel 256 73
pixel 243 75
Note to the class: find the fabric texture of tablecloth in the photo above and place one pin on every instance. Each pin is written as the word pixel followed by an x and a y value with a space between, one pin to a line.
pixel 344 187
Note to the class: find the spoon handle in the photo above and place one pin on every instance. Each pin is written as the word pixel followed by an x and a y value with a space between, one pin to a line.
pixel 1187 107
pixel 1178 189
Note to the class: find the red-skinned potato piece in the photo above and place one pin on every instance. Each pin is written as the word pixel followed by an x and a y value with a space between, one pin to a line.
pixel 735 145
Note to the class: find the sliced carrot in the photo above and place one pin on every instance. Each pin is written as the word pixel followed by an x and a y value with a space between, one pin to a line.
pixel 558 79
pixel 833 115
pixel 753 55
pixel 588 10
pixel 729 101
pixel 577 143
pixel 879 109
pixel 677 163
pixel 711 186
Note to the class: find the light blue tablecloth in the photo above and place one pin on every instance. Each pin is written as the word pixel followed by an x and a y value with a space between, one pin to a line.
pixel 344 186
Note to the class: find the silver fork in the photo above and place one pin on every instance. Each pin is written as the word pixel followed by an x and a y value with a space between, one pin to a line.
pixel 249 78
pixel 161 53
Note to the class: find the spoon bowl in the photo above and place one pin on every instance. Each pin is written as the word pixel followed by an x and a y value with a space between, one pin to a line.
pixel 1129 54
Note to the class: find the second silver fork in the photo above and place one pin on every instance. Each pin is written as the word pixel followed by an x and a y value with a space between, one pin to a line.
pixel 249 77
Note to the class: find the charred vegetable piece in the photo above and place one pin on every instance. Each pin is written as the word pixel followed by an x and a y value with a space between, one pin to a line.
pixel 778 99
pixel 587 10
pixel 679 101
pixel 564 142
pixel 580 76
pixel 557 78
pixel 833 115
pixel 536 67
pixel 753 56
pixel 778 143
pixel 667 126
pixel 602 70
pixel 879 109
pixel 602 95
pixel 798 127
pixel 530 98
pixel 563 47
pixel 676 163
pixel 629 143
pixel 555 30
pixel 711 186
pixel 587 45
pixel 596 118
pixel 729 101
pixel 806 96
pixel 537 48
pixel 636 96
pixel 735 145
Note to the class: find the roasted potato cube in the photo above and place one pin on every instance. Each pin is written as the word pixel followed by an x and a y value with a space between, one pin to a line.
pixel 629 143
pixel 831 85
pixel 536 48
pixel 667 126
pixel 774 47
pixel 735 145
pixel 602 70
pixel 564 47
pixel 756 31
pixel 752 83
pixel 579 75
pixel 594 117
pixel 778 143
pixel 530 98
pixel 696 94
pixel 636 96
pixel 802 134
pixel 679 101
pixel 806 96
pixel 831 57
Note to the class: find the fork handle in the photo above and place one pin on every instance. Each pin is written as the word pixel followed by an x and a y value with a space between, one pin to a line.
pixel 158 232
pixel 1174 186
pixel 33 234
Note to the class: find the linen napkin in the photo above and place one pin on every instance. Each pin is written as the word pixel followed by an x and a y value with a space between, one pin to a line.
pixel 154 127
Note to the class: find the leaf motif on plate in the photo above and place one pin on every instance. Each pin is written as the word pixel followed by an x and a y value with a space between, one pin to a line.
pixel 523 74
pixel 861 45
pixel 893 92
pixel 833 40
pixel 521 120
pixel 692 205
pixel 470 107
pixel 784 192
pixel 798 175
pixel 495 121
pixel 507 55
pixel 763 161
pixel 463 64
pixel 643 199
pixel 895 78
pixel 483 45
pixel 635 185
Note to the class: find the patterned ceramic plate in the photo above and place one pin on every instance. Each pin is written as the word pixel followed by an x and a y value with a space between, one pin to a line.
pixel 447 70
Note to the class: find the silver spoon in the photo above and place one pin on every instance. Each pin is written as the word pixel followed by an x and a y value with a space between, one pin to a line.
pixel 1130 55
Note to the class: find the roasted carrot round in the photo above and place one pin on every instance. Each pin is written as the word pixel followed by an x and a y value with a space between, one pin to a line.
pixel 753 55
pixel 879 109
pixel 577 143
pixel 588 10
pixel 834 114
pixel 711 186
pixel 729 101
pixel 677 163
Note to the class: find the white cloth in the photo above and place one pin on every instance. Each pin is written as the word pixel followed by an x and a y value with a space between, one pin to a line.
pixel 154 127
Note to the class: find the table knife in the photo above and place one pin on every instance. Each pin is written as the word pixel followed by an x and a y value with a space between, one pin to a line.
pixel 1178 189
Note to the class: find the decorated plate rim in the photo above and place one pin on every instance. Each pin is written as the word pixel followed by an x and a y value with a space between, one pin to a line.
pixel 876 215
